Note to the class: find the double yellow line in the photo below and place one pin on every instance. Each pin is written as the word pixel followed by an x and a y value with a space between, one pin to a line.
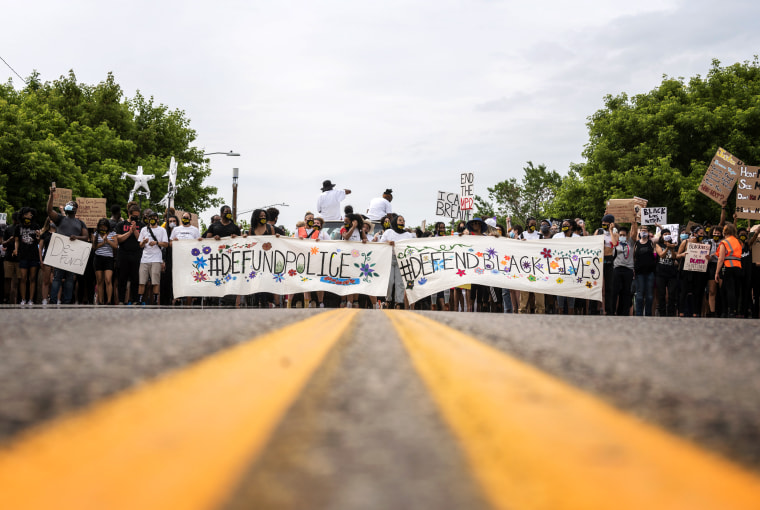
pixel 532 442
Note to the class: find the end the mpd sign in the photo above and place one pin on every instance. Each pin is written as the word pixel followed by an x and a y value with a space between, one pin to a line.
pixel 466 200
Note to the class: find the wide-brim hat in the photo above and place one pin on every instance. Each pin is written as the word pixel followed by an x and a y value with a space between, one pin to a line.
pixel 326 185
pixel 483 225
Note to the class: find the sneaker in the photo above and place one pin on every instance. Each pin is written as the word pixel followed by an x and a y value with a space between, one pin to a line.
pixel 44 302
pixel 22 303
pixel 321 305
pixel 348 304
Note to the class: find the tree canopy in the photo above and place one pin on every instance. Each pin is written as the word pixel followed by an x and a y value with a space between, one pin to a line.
pixel 658 145
pixel 84 137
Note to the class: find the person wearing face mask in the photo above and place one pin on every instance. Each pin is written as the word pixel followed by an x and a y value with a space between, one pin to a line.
pixel 666 274
pixel 308 231
pixel 728 271
pixel 27 249
pixel 745 295
pixel 396 285
pixel 645 264
pixel 226 226
pixel 568 229
pixel 104 244
pixel 608 227
pixel 692 283
pixel 73 228
pixel 129 254
pixel 152 238
pixel 623 267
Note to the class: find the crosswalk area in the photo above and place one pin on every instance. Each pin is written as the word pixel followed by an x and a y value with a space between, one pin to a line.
pixel 364 409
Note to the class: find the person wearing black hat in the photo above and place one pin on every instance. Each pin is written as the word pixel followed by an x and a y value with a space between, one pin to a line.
pixel 381 206
pixel 328 204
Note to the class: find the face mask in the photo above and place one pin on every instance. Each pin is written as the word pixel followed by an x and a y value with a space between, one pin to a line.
pixel 623 239
pixel 684 237
pixel 153 222
pixel 700 238
pixel 68 208
pixel 605 226
pixel 185 221
pixel 565 228
pixel 135 218
pixel 667 239
pixel 347 225
pixel 716 238
pixel 172 223
pixel 228 216
pixel 512 235
pixel 27 221
pixel 386 224
pixel 532 228
pixel 102 232
pixel 644 235
pixel 310 223
pixel 460 229
pixel 545 229
pixel 317 227
pixel 261 220
pixel 401 225
pixel 742 238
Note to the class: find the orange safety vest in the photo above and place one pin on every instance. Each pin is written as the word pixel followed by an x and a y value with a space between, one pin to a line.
pixel 733 249
pixel 303 235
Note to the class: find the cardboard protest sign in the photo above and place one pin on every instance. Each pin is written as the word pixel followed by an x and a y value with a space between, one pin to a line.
pixel 697 255
pixel 67 255
pixel 60 197
pixel 91 210
pixel 748 193
pixel 565 267
pixel 690 225
pixel 193 218
pixel 280 265
pixel 624 209
pixel 720 177
pixel 653 215
pixel 447 205
pixel 466 200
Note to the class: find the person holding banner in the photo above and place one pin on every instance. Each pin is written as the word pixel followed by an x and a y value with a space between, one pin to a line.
pixel 728 270
pixel 308 230
pixel 666 274
pixel 623 267
pixel 75 229
pixel 693 282
pixel 530 233
pixel 645 264
pixel 569 228
pixel 397 232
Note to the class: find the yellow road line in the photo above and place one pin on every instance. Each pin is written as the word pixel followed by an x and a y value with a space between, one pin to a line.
pixel 181 442
pixel 534 442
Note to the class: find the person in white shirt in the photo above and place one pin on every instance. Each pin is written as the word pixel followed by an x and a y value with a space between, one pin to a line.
pixel 397 232
pixel 568 229
pixel 381 206
pixel 152 239
pixel 186 231
pixel 531 233
pixel 328 204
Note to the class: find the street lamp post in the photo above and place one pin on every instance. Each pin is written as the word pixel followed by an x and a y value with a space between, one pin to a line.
pixel 234 192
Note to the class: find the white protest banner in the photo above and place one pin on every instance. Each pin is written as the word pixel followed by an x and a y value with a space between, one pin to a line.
pixel 565 267
pixel 696 257
pixel 674 230
pixel 447 205
pixel 67 255
pixel 281 265
pixel 652 215
pixel 466 200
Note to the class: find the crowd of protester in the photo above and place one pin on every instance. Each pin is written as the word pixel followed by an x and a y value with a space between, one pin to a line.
pixel 130 261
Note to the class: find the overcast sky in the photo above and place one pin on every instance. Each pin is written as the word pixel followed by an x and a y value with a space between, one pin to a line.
pixel 372 95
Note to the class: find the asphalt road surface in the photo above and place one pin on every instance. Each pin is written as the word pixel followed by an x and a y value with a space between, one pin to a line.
pixel 394 410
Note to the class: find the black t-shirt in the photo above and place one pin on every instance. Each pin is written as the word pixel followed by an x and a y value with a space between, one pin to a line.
pixel 644 261
pixel 10 232
pixel 28 245
pixel 221 230
pixel 130 244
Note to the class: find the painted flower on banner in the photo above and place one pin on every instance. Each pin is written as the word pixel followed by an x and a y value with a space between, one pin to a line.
pixel 507 258
pixel 503 262
pixel 579 280
pixel 278 277
pixel 366 269
pixel 228 278
pixel 479 254
pixel 531 278
pixel 195 252
pixel 575 257
pixel 354 253
pixel 560 281
pixel 221 247
pixel 252 275
pixel 266 246
pixel 314 250
pixel 305 279
pixel 218 282
pixel 571 270
pixel 540 267
pixel 422 281
pixel 200 263
pixel 491 252
pixel 292 272
pixel 494 271
pixel 546 253
pixel 438 265
pixel 526 265
pixel 461 272
pixel 206 250
pixel 479 270
pixel 554 264
pixel 589 285
pixel 200 276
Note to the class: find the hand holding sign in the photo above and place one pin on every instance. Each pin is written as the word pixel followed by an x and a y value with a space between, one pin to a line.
pixel 68 254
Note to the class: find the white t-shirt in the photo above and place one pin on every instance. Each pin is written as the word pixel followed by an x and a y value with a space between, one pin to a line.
pixel 392 235
pixel 356 235
pixel 531 235
pixel 185 232
pixel 378 208
pixel 328 204
pixel 560 235
pixel 152 253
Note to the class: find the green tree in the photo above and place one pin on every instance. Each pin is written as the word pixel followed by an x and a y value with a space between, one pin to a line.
pixel 84 137
pixel 521 200
pixel 658 145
